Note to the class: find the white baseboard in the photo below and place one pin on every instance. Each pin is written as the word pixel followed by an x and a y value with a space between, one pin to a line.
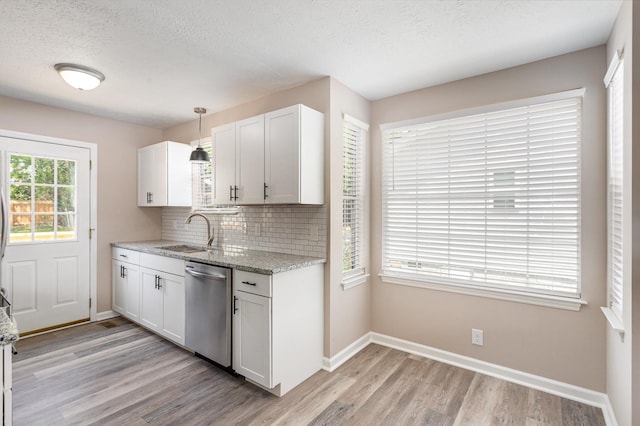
pixel 330 364
pixel 564 390
pixel 105 315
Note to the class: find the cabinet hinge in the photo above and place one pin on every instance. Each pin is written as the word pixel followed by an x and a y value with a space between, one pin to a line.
pixel 91 232
pixel 90 164
pixel 89 303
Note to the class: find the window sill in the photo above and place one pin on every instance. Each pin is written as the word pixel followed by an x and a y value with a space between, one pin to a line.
pixel 614 321
pixel 558 302
pixel 351 282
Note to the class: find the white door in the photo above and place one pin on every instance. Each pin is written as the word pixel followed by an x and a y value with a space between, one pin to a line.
pixel 151 303
pixel 223 140
pixel 250 145
pixel 252 337
pixel 173 306
pixel 46 267
pixel 282 156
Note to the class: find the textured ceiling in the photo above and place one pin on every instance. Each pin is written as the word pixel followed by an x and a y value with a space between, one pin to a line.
pixel 163 57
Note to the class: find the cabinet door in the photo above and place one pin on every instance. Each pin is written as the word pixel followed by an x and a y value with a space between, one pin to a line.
pixel 252 337
pixel 224 163
pixel 132 291
pixel 7 385
pixel 119 287
pixel 282 156
pixel 151 303
pixel 173 307
pixel 152 175
pixel 250 145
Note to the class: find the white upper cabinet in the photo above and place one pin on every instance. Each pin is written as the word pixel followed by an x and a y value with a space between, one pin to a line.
pixel 250 166
pixel 164 175
pixel 273 158
pixel 223 145
pixel 294 156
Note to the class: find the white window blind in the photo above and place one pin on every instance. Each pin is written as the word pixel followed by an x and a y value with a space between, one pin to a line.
pixel 615 188
pixel 202 180
pixel 489 200
pixel 352 196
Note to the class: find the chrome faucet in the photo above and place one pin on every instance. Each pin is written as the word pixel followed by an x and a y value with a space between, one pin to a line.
pixel 209 233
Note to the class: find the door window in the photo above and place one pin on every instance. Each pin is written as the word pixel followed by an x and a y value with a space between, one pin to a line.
pixel 42 199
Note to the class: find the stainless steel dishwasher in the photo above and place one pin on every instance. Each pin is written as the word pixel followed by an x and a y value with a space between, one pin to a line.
pixel 208 323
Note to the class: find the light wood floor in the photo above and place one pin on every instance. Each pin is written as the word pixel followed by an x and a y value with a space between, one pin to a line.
pixel 115 372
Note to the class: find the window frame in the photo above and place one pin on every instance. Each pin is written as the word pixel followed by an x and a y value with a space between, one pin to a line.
pixel 356 275
pixel 614 83
pixel 570 301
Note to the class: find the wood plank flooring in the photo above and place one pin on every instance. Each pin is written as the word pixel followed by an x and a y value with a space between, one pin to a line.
pixel 116 373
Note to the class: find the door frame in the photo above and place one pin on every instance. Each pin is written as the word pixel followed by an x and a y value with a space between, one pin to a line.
pixel 93 203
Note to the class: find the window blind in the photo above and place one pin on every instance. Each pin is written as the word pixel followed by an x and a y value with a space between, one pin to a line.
pixel 202 180
pixel 352 196
pixel 489 200
pixel 615 190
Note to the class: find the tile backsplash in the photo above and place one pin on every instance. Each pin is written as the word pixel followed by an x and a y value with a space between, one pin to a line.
pixel 284 229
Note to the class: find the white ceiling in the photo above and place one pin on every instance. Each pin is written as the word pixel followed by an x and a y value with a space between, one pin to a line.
pixel 163 57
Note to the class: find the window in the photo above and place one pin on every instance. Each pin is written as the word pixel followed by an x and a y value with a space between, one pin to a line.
pixel 42 199
pixel 615 195
pixel 488 199
pixel 202 179
pixel 354 133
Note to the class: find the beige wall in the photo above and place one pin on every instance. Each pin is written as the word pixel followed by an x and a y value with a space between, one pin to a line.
pixel 119 218
pixel 349 310
pixel 558 344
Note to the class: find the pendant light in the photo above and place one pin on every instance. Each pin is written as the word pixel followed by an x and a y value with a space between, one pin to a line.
pixel 199 155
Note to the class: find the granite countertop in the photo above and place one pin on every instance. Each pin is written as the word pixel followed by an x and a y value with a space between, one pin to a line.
pixel 8 329
pixel 261 262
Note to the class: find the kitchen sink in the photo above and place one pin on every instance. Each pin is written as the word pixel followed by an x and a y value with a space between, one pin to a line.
pixel 183 248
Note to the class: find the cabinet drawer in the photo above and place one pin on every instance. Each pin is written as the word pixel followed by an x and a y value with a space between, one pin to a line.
pixel 251 282
pixel 162 263
pixel 125 255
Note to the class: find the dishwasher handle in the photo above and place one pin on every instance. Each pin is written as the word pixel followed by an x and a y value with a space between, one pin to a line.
pixel 200 274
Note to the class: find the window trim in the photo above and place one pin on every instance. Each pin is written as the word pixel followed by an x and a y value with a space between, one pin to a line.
pixel 357 276
pixel 613 315
pixel 573 303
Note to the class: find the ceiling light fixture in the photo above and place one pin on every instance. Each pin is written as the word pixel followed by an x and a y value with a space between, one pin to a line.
pixel 199 155
pixel 79 76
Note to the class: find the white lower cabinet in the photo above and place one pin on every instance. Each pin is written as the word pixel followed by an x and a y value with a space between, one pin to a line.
pixel 7 385
pixel 162 307
pixel 252 337
pixel 278 327
pixel 150 291
pixel 125 283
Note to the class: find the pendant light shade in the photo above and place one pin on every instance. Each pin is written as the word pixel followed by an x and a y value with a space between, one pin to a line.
pixel 79 76
pixel 199 155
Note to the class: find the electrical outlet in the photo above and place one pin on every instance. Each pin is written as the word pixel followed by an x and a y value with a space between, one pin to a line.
pixel 477 337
